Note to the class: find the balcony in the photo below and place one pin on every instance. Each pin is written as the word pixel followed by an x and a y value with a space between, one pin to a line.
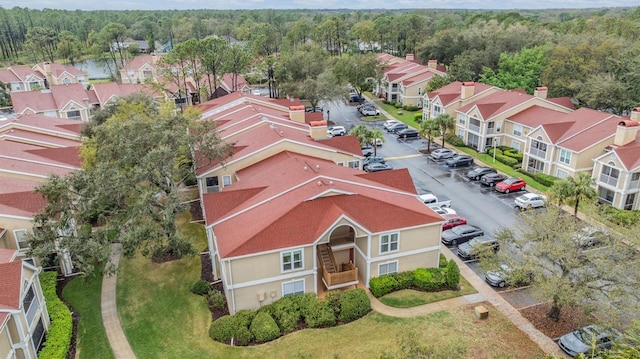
pixel 611 181
pixel 538 152
pixel 633 185
pixel 335 275
pixel 474 128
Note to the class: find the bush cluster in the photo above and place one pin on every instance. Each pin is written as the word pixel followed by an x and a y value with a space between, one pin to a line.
pixel 545 179
pixel 447 276
pixel 397 105
pixel 288 313
pixel 513 153
pixel 500 157
pixel 59 335
pixel 417 117
pixel 216 299
pixel 410 108
pixel 201 287
pixel 453 140
pixel 620 217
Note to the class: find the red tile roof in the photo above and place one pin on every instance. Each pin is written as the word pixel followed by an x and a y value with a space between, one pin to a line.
pixel 6 255
pixel 628 154
pixel 396 179
pixel 418 78
pixel 108 91
pixel 304 195
pixel 535 116
pixel 10 285
pixel 139 62
pixel 450 93
pixel 500 101
pixel 23 204
pixel 582 128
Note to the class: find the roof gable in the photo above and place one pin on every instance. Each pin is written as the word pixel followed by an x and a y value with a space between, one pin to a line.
pixel 10 285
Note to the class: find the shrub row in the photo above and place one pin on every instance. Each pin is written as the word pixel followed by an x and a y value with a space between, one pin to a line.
pixel 59 335
pixel 447 276
pixel 545 179
pixel 417 117
pixel 453 140
pixel 620 217
pixel 288 313
pixel 500 157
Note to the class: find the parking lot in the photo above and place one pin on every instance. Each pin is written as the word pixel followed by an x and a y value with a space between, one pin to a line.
pixel 480 205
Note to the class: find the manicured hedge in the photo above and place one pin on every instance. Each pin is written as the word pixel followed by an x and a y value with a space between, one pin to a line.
pixel 59 335
pixel 410 108
pixel 264 328
pixel 453 140
pixel 200 287
pixel 353 305
pixel 447 276
pixel 417 117
pixel 545 179
pixel 319 315
pixel 223 328
pixel 500 157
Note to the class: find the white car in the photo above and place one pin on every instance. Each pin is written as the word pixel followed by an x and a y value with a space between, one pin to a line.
pixel 443 154
pixel 530 200
pixel 368 111
pixel 336 131
pixel 443 211
pixel 389 123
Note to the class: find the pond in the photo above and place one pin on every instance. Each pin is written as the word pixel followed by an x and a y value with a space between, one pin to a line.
pixel 95 69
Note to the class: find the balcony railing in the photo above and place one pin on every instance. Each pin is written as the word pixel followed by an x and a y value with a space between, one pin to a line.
pixel 533 170
pixel 538 152
pixel 474 128
pixel 611 181
pixel 633 185
pixel 347 276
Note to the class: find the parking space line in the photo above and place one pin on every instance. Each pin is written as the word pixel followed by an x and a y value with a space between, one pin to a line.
pixel 403 157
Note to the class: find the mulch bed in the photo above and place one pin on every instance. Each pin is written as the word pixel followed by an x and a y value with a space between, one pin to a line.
pixel 571 318
pixel 196 211
pixel 206 273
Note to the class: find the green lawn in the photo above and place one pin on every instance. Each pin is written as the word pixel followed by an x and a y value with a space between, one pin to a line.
pixel 83 294
pixel 399 114
pixel 412 298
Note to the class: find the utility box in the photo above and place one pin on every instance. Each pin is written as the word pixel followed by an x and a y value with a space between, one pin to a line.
pixel 481 312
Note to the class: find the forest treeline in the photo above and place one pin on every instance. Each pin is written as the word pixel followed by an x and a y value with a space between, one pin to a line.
pixel 591 55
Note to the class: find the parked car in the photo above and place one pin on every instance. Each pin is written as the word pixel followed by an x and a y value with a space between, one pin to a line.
pixel 442 154
pixel 478 172
pixel 353 97
pixel 367 150
pixel 365 106
pixel 530 200
pixel 407 133
pixel 453 220
pixel 378 142
pixel 336 131
pixel 369 111
pixel 511 184
pixel 581 340
pixel 313 109
pixel 443 211
pixel 506 275
pixel 377 167
pixel 389 123
pixel 460 234
pixel 590 236
pixel 397 127
pixel 459 161
pixel 373 159
pixel 491 179
pixel 470 249
pixel 432 200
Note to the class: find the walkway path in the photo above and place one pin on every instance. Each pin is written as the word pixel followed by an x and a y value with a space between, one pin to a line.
pixel 111 321
pixel 485 293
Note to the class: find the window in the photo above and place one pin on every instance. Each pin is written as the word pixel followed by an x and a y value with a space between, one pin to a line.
pixel 74 114
pixel 212 184
pixel 22 239
pixel 628 203
pixel 565 156
pixel 388 242
pixel 226 180
pixel 30 304
pixel 419 90
pixel 561 174
pixel 34 85
pixel 517 130
pixel 66 80
pixel 341 163
pixel 38 336
pixel 294 287
pixel 81 79
pixel 461 134
pixel 354 164
pixel 292 260
pixel 436 110
pixel 609 174
pixel 388 268
pixel 606 195
pixel 516 145
pixel 462 119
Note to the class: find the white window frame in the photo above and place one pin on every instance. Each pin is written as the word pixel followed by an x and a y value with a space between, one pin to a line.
pixel 293 284
pixel 354 164
pixel 390 242
pixel 565 156
pixel 515 144
pixel 341 163
pixel 293 262
pixel 517 129
pixel 562 174
pixel 462 118
pixel 226 180
pixel 73 109
pixel 461 134
pixel 15 236
pixel 386 265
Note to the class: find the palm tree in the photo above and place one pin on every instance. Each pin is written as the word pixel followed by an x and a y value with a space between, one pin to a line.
pixel 429 129
pixel 375 136
pixel 561 190
pixel 581 188
pixel 363 134
pixel 446 123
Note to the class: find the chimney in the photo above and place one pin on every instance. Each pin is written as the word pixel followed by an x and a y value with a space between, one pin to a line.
pixel 626 131
pixel 47 68
pixel 296 114
pixel 468 90
pixel 433 64
pixel 541 92
pixel 410 57
pixel 318 130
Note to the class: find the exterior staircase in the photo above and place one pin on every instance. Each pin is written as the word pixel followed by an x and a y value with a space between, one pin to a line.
pixel 326 258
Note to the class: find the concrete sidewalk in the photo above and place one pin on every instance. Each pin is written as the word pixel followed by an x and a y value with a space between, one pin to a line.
pixel 110 320
pixel 485 293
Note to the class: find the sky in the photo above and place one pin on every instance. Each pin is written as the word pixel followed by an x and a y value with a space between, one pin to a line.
pixel 313 4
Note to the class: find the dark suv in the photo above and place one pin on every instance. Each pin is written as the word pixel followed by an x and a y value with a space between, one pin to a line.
pixel 397 127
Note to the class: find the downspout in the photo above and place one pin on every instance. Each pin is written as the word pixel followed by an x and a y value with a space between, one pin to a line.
pixel 315 270
pixel 233 290
pixel 368 260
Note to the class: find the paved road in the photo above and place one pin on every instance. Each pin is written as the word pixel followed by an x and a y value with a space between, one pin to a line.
pixel 480 205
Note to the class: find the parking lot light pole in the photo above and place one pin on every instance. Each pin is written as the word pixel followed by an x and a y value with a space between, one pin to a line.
pixel 495 143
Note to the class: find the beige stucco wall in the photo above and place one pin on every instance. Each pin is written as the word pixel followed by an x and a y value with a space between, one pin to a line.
pixel 5 346
pixel 263 266
pixel 410 239
pixel 247 298
pixel 10 224
pixel 408 263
